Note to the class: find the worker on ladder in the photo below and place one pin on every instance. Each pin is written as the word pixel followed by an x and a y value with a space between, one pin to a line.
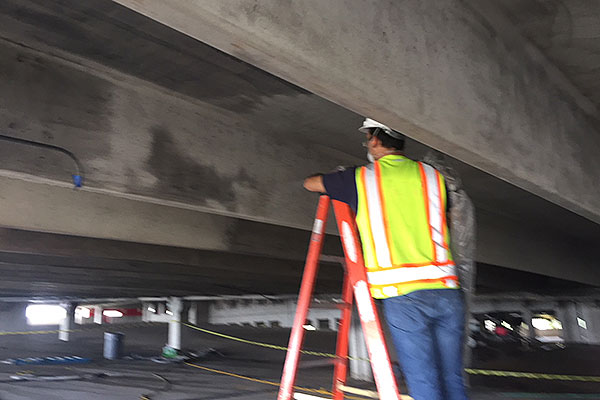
pixel 400 208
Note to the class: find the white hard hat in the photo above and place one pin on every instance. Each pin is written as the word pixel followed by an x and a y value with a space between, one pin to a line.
pixel 369 123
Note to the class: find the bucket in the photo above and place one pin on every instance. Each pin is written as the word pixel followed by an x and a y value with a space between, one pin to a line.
pixel 113 345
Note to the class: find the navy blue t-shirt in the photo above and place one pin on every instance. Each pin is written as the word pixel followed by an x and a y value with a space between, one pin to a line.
pixel 341 186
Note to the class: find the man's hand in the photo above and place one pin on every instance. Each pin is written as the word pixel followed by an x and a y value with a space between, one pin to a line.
pixel 314 184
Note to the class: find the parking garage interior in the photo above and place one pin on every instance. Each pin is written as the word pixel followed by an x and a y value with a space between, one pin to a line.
pixel 186 225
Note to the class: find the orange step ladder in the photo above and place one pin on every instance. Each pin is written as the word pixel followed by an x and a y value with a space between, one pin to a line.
pixel 355 287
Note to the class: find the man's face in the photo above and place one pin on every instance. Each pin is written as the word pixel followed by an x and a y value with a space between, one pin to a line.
pixel 369 144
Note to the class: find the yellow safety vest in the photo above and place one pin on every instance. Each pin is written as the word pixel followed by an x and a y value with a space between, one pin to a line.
pixel 401 218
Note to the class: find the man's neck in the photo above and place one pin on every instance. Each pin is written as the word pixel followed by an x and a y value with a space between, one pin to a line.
pixel 392 153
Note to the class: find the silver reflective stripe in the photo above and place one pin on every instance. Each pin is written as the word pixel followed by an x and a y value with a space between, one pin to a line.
pixel 409 274
pixel 376 218
pixel 436 222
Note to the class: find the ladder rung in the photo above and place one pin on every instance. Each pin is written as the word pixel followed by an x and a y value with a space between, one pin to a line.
pixel 324 362
pixel 366 393
pixel 362 392
pixel 336 259
pixel 328 306
pixel 304 396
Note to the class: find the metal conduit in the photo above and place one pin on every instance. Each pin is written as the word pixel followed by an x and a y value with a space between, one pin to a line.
pixel 77 177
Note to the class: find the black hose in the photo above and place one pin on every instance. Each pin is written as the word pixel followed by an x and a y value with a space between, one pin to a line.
pixel 77 177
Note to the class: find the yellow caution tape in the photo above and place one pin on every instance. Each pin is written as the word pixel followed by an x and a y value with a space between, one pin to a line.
pixel 37 332
pixel 263 381
pixel 266 345
pixel 533 375
pixel 486 372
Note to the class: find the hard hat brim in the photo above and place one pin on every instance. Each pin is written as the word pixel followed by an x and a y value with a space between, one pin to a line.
pixel 374 125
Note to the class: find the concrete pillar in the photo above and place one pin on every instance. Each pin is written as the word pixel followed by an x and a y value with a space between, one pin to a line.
pixel 567 315
pixel 471 324
pixel 199 313
pixel 67 323
pixel 146 314
pixel 595 321
pixel 12 317
pixel 176 307
pixel 357 348
pixel 185 311
pixel 193 313
pixel 98 315
pixel 527 317
pixel 590 313
pixel 160 308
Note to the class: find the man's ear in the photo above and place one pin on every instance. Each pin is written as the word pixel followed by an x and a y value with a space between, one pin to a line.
pixel 376 142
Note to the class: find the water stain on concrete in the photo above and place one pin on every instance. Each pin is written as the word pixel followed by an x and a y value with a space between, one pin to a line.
pixel 184 178
pixel 53 104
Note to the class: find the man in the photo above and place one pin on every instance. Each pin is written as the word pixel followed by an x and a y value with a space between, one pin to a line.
pixel 400 208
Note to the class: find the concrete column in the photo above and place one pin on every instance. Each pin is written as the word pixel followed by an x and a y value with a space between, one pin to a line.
pixel 193 313
pixel 160 308
pixel 185 311
pixel 357 347
pixel 146 315
pixel 67 323
pixel 199 313
pixel 12 317
pixel 176 307
pixel 590 313
pixel 98 315
pixel 468 342
pixel 527 316
pixel 567 315
pixel 595 321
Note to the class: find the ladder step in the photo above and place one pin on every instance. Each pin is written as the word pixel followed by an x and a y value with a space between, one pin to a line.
pixel 304 396
pixel 366 393
pixel 332 259
pixel 328 306
pixel 361 392
pixel 326 362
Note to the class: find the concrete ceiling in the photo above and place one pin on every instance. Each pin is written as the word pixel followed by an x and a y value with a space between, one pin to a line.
pixel 567 32
pixel 106 33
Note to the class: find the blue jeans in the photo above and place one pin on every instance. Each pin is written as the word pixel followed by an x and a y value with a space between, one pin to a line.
pixel 427 330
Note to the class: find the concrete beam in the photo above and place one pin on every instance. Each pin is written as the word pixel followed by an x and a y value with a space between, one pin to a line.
pixel 451 74
pixel 143 144
pixel 130 224
pixel 124 218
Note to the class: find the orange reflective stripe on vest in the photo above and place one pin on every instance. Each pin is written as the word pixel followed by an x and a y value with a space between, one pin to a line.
pixel 436 213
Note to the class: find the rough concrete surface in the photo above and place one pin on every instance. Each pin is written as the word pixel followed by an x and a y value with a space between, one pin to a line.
pixel 185 146
pixel 568 32
pixel 445 73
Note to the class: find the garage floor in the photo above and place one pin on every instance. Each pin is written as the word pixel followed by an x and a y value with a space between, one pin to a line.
pixel 134 379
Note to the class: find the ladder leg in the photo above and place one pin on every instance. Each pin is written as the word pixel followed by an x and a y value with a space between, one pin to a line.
pixel 288 378
pixel 378 353
pixel 341 363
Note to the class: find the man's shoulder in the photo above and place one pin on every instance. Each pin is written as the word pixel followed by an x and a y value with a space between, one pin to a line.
pixel 344 168
pixel 343 172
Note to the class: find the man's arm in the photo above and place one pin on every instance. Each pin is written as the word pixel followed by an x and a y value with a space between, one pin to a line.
pixel 315 184
pixel 339 185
